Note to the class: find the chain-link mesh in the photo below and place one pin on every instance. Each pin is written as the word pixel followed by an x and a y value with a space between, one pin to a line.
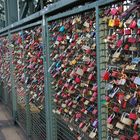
pixel 120 34
pixel 73 70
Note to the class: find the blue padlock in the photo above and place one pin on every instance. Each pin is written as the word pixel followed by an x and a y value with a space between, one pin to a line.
pixel 133 101
pixel 78 98
pixel 90 108
pixel 58 64
pixel 93 34
pixel 62 29
pixel 95 123
pixel 136 60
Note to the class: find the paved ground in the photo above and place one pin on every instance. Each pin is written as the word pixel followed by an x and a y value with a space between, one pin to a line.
pixel 7 129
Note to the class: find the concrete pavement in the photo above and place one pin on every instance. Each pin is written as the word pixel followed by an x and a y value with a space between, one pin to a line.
pixel 8 131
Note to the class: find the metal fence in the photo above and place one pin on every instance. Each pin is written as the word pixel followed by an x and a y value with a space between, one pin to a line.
pixel 76 76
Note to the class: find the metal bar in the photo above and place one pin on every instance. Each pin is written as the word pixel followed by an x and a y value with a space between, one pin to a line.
pixel 102 109
pixel 27 100
pixel 27 19
pixel 24 10
pixel 48 10
pixel 4 34
pixel 6 13
pixel 30 7
pixel 60 4
pixel 14 97
pixel 105 2
pixel 22 28
pixel 27 26
pixel 50 119
pixel 74 11
pixel 12 11
pixel 5 92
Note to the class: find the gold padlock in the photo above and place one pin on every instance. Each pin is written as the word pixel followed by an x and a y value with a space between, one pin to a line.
pixel 111 23
pixel 73 62
pixel 66 110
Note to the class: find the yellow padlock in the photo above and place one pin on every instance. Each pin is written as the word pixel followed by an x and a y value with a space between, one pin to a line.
pixel 73 62
pixel 66 110
pixel 111 23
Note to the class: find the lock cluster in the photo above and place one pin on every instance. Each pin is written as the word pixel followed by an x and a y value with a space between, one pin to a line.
pixel 122 74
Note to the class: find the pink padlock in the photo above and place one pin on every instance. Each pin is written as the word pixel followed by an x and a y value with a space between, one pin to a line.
pixel 92 99
pixel 84 69
pixel 91 77
pixel 95 94
pixel 71 87
pixel 110 118
pixel 59 38
pixel 78 115
pixel 81 125
pixel 85 91
pixel 77 80
pixel 88 51
pixel 70 103
pixel 95 88
pixel 113 11
pixel 133 24
pixel 94 112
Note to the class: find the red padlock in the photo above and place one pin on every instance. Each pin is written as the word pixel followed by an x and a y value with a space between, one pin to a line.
pixel 106 75
pixel 135 126
pixel 116 109
pixel 77 80
pixel 126 47
pixel 133 115
pixel 133 24
pixel 114 73
pixel 81 125
pixel 124 104
pixel 127 32
pixel 136 137
pixel 123 137
pixel 119 43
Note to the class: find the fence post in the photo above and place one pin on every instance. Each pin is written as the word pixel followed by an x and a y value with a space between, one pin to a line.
pixel 51 126
pixel 14 96
pixel 102 108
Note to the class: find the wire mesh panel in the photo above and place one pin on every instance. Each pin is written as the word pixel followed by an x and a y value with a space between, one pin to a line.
pixel 1 71
pixel 74 76
pixel 35 81
pixel 29 74
pixel 18 62
pixel 120 37
pixel 6 70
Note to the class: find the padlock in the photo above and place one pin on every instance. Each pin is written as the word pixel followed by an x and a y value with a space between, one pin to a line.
pixel 125 119
pixel 133 24
pixel 136 137
pixel 95 123
pixel 111 23
pixel 133 115
pixel 120 126
pixel 106 75
pixel 110 118
pixel 85 128
pixel 93 133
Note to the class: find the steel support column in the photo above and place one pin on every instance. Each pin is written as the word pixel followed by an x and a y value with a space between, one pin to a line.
pixel 14 95
pixel 50 119
pixel 12 11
